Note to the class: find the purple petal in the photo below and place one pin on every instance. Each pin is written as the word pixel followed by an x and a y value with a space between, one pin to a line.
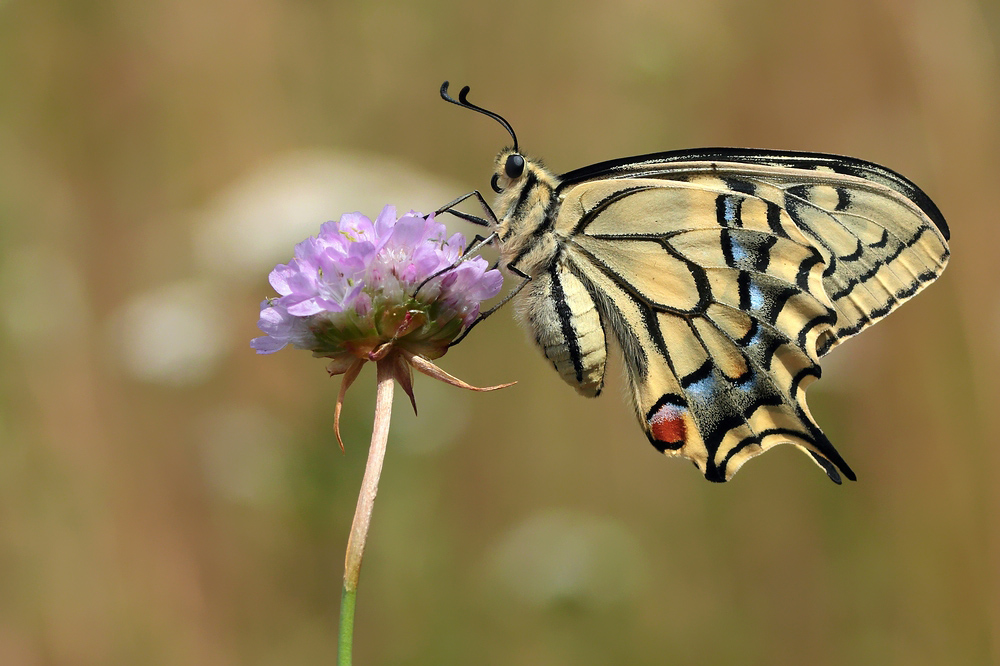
pixel 267 344
pixel 488 286
pixel 305 252
pixel 362 304
pixel 279 278
pixel 470 315
pixel 301 286
pixel 385 221
pixel 357 227
pixel 407 233
pixel 362 251
pixel 278 325
pixel 310 306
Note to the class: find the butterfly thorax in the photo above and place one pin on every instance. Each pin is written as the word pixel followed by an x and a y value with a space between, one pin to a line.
pixel 525 208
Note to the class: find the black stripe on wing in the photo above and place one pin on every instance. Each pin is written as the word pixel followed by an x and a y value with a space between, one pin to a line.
pixel 746 249
pixel 728 211
pixel 565 315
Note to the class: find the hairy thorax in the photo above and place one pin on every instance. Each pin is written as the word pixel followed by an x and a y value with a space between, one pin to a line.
pixel 527 241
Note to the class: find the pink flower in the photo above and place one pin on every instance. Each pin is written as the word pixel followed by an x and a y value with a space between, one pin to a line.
pixel 354 287
pixel 396 292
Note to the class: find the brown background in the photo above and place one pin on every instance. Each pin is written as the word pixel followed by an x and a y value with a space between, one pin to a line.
pixel 168 497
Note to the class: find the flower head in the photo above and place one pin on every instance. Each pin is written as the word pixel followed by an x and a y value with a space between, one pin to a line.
pixel 354 287
pixel 392 291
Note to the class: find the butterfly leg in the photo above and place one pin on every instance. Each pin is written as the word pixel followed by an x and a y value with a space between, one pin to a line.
pixel 477 243
pixel 504 301
pixel 490 220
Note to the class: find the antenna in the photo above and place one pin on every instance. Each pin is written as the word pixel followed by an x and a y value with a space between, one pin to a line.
pixel 464 102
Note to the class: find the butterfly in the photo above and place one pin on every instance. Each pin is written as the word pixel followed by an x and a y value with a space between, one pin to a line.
pixel 721 274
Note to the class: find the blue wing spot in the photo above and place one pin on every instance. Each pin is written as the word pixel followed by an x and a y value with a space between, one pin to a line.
pixel 737 250
pixel 756 297
pixel 703 390
pixel 730 210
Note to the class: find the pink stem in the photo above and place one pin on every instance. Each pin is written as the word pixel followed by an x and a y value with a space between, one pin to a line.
pixel 369 485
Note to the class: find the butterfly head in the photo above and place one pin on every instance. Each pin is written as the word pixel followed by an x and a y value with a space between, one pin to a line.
pixel 510 168
pixel 513 171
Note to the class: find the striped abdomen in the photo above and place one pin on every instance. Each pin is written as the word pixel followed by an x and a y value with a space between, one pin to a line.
pixel 561 316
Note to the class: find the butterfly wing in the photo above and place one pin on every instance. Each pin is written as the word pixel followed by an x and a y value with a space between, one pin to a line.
pixel 723 284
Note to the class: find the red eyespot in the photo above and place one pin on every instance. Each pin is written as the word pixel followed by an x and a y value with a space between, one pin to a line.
pixel 667 425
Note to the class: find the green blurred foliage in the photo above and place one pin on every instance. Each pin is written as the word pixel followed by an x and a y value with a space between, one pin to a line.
pixel 172 504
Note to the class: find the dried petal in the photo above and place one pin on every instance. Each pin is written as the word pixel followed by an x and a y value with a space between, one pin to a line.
pixel 404 375
pixel 431 370
pixel 349 376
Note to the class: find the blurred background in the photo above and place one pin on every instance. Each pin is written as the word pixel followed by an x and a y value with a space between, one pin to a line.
pixel 169 497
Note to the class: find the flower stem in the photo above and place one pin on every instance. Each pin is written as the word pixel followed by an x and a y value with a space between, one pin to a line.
pixel 347 599
pixel 363 512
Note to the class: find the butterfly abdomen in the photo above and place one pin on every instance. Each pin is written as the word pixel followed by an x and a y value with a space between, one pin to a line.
pixel 561 316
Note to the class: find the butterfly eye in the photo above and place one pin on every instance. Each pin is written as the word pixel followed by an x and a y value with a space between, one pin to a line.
pixel 494 185
pixel 514 166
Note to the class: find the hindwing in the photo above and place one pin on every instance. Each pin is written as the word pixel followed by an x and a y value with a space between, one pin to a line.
pixel 723 283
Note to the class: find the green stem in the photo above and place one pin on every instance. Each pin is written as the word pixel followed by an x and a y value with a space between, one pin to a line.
pixel 363 512
pixel 347 600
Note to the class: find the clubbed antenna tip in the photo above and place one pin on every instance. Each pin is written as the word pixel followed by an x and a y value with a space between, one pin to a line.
pixel 463 101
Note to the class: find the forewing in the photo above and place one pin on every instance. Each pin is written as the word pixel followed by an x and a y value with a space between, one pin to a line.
pixel 731 281
pixel 880 238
